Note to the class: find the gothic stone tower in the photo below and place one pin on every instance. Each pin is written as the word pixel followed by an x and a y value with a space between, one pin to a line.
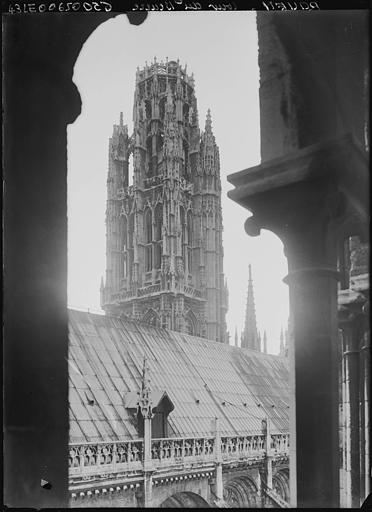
pixel 164 232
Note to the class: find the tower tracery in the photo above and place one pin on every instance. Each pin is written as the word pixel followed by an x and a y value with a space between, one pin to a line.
pixel 164 233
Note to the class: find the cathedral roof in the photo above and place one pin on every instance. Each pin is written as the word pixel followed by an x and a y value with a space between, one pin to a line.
pixel 203 379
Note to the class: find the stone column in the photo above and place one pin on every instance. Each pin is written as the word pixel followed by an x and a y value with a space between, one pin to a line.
pixel 145 406
pixel 313 300
pixel 40 100
pixel 268 458
pixel 311 199
pixel 365 369
pixel 218 459
pixel 348 324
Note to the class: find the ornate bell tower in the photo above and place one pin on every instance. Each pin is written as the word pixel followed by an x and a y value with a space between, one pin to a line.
pixel 164 232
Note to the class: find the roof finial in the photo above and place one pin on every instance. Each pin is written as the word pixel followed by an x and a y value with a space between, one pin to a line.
pixel 121 118
pixel 265 342
pixel 236 336
pixel 145 400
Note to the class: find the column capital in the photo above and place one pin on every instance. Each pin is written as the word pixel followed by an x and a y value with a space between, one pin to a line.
pixel 300 274
pixel 307 195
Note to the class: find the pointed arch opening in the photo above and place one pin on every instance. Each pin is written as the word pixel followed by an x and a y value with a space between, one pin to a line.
pixel 123 247
pixel 158 236
pixel 189 228
pixel 184 500
pixel 183 234
pixel 241 492
pixel 281 484
pixel 191 323
pixel 151 317
pixel 148 239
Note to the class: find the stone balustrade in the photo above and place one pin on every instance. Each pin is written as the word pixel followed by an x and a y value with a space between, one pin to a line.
pixel 99 458
pixel 176 450
pixel 93 458
pixel 280 444
pixel 127 295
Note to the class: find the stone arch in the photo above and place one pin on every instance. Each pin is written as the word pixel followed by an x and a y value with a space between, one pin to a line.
pixel 158 226
pixel 241 492
pixel 123 243
pixel 281 483
pixel 151 317
pixel 191 323
pixel 184 500
pixel 148 236
pixel 50 101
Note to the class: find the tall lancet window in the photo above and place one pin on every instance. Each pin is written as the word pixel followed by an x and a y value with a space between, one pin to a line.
pixel 121 145
pixel 183 234
pixel 148 240
pixel 158 236
pixel 130 253
pixel 123 246
pixel 189 242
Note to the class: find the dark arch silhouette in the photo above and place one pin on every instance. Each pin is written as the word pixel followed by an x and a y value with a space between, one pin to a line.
pixel 38 92
pixel 184 500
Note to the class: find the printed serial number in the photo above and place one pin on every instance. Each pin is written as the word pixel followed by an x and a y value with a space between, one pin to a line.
pixel 60 7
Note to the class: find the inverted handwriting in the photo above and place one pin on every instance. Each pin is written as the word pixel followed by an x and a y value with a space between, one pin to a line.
pixel 290 6
pixel 223 7
pixel 154 7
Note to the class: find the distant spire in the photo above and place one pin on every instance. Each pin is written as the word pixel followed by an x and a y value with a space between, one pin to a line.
pixel 259 341
pixel 236 337
pixel 265 343
pixel 250 335
pixel 102 283
pixel 121 118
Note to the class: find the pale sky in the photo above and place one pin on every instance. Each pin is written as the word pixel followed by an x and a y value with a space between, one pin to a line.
pixel 220 48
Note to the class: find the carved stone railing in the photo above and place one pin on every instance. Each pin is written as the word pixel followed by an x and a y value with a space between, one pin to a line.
pixel 121 296
pixel 148 290
pixel 191 291
pixel 169 451
pixel 96 458
pixel 280 444
pixel 99 458
pixel 242 447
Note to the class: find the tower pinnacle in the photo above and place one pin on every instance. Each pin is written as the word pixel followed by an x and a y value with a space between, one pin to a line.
pixel 208 121
pixel 250 335
pixel 265 343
